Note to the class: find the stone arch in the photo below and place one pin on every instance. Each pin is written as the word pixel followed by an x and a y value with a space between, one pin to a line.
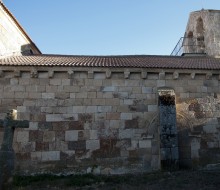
pixel 183 122
pixel 153 128
pixel 199 27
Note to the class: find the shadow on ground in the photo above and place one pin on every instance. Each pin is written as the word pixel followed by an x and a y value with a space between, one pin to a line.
pixel 188 179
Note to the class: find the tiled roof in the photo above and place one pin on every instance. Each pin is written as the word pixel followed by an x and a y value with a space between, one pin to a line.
pixel 135 61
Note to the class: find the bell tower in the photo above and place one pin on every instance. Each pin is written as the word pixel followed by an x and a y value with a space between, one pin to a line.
pixel 202 35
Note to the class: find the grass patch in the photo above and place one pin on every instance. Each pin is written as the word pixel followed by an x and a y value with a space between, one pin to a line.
pixel 20 181
pixel 81 180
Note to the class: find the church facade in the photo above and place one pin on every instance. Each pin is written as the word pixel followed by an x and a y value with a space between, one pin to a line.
pixel 116 114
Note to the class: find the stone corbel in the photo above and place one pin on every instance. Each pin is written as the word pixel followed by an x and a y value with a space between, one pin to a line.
pixel 126 74
pixel 50 74
pixel 70 74
pixel 193 75
pixel 162 75
pixel 175 75
pixel 143 74
pixel 17 73
pixel 90 74
pixel 1 73
pixel 34 73
pixel 108 74
pixel 208 76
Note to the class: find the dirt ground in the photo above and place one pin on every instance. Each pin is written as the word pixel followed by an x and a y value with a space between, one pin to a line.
pixel 195 180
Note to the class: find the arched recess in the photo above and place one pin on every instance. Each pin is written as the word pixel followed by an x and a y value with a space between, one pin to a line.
pixel 200 35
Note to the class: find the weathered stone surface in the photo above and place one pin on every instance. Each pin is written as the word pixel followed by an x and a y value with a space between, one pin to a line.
pixel 22 136
pixel 131 124
pixel 92 144
pixel 145 144
pixel 106 119
pixel 71 135
pixel 49 136
pixel 50 156
pixel 36 156
pixel 126 116
pixel 42 146
pixel 77 145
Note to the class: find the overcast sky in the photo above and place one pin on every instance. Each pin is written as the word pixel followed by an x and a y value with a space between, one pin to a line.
pixel 106 27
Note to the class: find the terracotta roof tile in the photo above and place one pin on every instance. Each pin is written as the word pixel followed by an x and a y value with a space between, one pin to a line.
pixel 135 61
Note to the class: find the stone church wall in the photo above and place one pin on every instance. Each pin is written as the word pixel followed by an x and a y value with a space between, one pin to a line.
pixel 106 120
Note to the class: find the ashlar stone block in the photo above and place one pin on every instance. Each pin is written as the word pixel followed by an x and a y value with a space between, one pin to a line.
pixel 126 116
pixel 54 117
pixel 147 90
pixel 210 128
pixel 49 136
pixel 160 83
pixel 14 81
pixel 51 156
pixel 92 144
pixel 55 82
pixel 126 134
pixel 33 126
pixel 65 82
pixel 48 95
pixel 152 108
pixel 104 109
pixel 71 135
pixel 109 89
pixel 91 109
pixel 93 134
pixel 21 108
pixel 79 109
pixel 36 156
pixel 145 144
pixel 23 136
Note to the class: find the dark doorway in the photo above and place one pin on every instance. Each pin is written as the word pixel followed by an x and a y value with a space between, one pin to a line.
pixel 168 130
